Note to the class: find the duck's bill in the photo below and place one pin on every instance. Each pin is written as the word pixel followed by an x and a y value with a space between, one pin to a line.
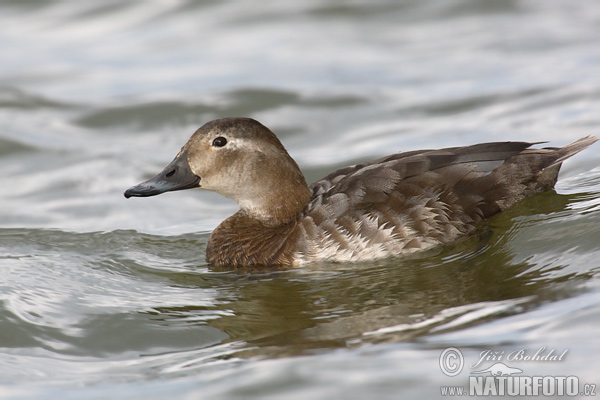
pixel 176 176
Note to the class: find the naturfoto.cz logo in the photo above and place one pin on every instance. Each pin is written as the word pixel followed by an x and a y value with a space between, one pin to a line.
pixel 501 379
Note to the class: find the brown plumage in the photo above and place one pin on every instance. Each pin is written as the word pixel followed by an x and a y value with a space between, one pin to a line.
pixel 394 205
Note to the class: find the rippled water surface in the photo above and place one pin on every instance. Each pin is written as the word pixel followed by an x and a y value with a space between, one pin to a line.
pixel 102 297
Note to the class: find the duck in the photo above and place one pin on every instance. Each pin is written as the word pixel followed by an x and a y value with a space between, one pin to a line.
pixel 393 206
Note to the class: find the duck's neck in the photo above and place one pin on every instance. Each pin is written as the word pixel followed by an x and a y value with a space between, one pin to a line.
pixel 265 230
pixel 277 201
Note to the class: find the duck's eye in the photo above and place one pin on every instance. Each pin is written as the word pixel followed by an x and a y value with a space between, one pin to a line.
pixel 219 142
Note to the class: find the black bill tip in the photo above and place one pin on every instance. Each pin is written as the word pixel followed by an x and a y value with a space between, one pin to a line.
pixel 142 190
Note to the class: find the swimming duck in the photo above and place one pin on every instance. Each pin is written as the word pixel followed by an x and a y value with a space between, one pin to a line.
pixel 395 205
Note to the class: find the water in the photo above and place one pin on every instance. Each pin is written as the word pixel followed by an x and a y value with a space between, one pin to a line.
pixel 103 297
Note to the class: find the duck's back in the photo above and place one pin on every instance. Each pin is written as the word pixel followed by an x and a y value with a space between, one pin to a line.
pixel 414 200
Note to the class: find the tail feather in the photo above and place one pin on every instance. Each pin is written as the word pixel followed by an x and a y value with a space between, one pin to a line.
pixel 530 172
pixel 573 148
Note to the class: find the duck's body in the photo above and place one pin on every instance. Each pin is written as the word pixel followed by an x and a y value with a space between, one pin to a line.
pixel 395 205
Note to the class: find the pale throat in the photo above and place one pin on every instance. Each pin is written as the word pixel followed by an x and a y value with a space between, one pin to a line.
pixel 275 205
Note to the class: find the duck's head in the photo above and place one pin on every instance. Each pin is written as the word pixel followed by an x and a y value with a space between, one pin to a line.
pixel 238 158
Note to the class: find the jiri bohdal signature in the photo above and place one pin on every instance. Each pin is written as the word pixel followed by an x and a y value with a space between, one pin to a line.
pixel 521 355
